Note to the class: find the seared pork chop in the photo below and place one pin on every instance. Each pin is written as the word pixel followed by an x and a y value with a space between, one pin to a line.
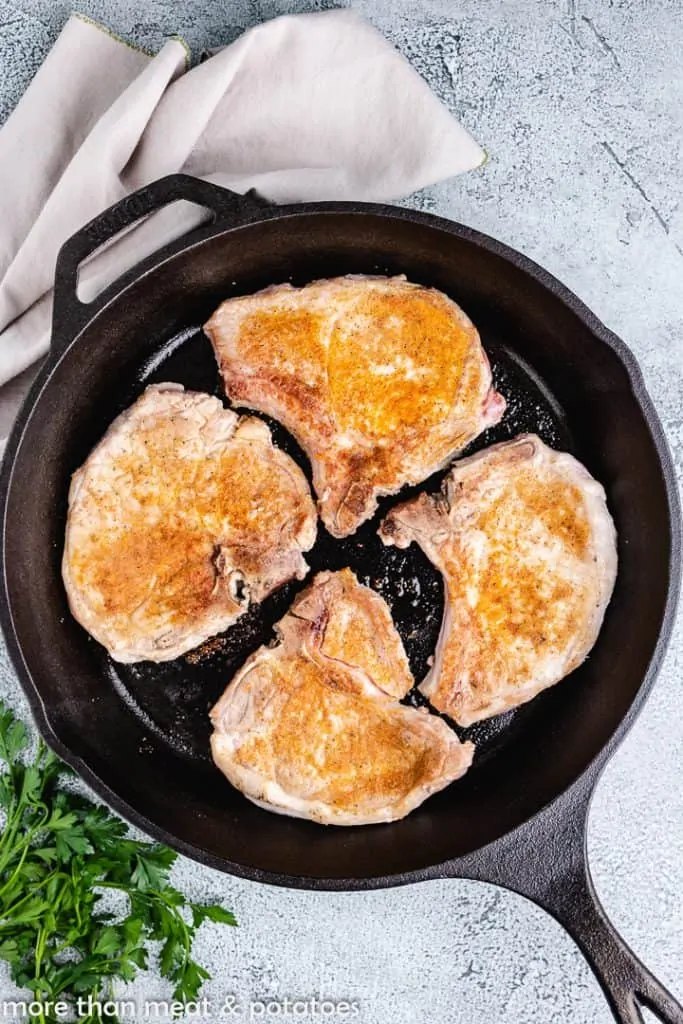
pixel 527 549
pixel 381 382
pixel 180 517
pixel 313 727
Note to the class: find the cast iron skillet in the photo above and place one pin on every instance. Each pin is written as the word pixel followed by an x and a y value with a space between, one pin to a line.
pixel 138 734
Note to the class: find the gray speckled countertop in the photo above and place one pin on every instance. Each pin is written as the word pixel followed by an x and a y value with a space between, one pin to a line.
pixel 580 106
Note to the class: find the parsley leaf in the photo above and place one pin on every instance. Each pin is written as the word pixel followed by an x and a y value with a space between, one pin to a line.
pixel 59 854
pixel 152 867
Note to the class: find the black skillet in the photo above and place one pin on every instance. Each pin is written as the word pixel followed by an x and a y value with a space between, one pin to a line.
pixel 138 734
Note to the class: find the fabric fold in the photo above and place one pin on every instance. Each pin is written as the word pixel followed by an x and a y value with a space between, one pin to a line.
pixel 305 107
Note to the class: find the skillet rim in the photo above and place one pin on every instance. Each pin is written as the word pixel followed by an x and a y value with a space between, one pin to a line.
pixel 84 314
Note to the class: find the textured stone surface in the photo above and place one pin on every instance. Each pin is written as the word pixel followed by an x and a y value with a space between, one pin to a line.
pixel 579 103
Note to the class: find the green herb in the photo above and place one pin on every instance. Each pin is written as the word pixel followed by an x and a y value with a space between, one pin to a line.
pixel 59 853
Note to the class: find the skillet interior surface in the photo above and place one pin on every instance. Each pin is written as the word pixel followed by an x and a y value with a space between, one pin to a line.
pixel 142 731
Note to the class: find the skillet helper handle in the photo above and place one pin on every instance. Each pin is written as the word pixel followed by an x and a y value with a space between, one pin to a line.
pixel 546 861
pixel 69 312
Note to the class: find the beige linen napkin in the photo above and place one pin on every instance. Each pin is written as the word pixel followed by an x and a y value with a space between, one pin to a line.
pixel 304 107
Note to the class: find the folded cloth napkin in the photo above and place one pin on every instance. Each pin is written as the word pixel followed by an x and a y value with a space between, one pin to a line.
pixel 304 107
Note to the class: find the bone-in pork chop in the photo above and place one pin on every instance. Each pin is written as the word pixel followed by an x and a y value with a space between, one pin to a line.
pixel 313 728
pixel 381 382
pixel 180 517
pixel 527 548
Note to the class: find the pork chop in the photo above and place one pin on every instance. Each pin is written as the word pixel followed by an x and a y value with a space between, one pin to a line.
pixel 527 548
pixel 180 517
pixel 313 728
pixel 380 381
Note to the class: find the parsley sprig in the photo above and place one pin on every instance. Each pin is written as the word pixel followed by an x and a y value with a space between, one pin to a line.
pixel 59 854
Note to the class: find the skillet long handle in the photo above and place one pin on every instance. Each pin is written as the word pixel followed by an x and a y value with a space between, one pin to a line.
pixel 546 861
pixel 626 981
pixel 68 310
